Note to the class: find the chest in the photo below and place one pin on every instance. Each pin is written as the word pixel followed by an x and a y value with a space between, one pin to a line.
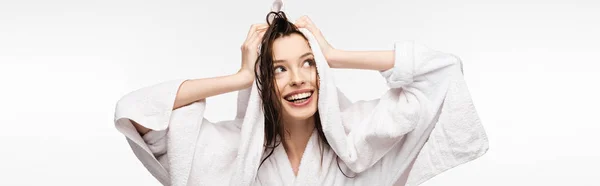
pixel 315 168
pixel 311 169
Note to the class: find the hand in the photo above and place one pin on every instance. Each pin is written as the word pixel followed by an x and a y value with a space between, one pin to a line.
pixel 326 48
pixel 250 48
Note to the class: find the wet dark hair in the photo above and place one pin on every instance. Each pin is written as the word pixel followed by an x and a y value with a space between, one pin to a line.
pixel 279 27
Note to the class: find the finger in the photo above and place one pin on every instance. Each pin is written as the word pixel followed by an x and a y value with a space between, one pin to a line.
pixel 257 32
pixel 299 20
pixel 307 19
pixel 255 27
pixel 304 18
pixel 258 41
pixel 305 22
pixel 262 26
pixel 308 22
pixel 256 36
pixel 253 44
pixel 300 23
pixel 252 33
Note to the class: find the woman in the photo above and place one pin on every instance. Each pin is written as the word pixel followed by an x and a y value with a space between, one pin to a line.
pixel 294 127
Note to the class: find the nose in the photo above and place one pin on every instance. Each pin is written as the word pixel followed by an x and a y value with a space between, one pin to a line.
pixel 298 79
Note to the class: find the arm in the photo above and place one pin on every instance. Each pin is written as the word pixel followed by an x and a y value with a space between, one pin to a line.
pixel 194 90
pixel 392 129
pixel 368 60
pixel 145 115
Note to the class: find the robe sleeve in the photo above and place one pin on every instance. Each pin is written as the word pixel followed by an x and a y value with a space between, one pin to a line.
pixel 151 107
pixel 387 134
pixel 157 143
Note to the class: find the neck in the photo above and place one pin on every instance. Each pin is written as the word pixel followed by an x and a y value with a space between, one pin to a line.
pixel 297 134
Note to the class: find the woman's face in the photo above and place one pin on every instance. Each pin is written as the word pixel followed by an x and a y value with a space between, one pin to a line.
pixel 296 77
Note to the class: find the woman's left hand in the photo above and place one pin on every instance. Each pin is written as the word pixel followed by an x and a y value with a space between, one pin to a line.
pixel 326 48
pixel 375 60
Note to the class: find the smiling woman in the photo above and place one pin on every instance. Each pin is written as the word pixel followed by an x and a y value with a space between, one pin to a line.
pixel 289 89
pixel 294 127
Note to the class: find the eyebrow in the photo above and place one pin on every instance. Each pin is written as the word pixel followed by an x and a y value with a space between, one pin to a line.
pixel 283 60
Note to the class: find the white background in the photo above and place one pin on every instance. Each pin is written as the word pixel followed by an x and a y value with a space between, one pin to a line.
pixel 531 67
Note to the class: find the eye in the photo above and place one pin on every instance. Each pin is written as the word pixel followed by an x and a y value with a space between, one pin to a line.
pixel 279 69
pixel 308 63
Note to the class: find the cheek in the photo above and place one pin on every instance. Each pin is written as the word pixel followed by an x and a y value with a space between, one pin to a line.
pixel 280 84
pixel 315 77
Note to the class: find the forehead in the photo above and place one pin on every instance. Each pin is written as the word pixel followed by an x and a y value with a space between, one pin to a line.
pixel 290 47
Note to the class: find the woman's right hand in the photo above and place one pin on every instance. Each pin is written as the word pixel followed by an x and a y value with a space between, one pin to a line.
pixel 250 49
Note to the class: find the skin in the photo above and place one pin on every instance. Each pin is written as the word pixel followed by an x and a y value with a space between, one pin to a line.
pixel 298 122
pixel 295 70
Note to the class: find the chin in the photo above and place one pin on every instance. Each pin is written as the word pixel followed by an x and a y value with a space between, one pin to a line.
pixel 301 115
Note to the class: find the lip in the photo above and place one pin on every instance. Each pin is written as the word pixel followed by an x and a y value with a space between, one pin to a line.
pixel 301 104
pixel 297 92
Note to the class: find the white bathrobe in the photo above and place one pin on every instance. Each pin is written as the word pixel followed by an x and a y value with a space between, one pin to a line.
pixel 423 125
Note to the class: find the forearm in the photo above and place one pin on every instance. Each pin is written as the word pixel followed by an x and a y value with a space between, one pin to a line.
pixel 371 60
pixel 197 89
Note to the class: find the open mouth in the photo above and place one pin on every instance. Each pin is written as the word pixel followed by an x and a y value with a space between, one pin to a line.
pixel 299 98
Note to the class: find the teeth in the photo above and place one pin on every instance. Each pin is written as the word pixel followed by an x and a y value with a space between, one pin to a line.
pixel 299 96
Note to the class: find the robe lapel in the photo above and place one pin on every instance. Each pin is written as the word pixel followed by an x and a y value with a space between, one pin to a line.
pixel 310 169
pixel 284 166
